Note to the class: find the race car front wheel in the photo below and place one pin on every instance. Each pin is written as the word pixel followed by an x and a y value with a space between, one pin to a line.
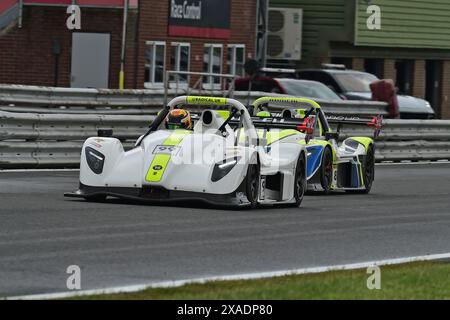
pixel 368 171
pixel 326 170
pixel 252 184
pixel 300 181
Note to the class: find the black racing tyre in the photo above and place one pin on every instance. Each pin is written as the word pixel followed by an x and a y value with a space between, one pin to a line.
pixel 368 170
pixel 252 184
pixel 326 170
pixel 299 181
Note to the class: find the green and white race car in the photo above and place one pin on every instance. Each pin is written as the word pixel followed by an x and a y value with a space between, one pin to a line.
pixel 332 165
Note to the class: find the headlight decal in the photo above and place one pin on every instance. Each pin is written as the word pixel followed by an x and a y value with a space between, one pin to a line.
pixel 95 160
pixel 222 168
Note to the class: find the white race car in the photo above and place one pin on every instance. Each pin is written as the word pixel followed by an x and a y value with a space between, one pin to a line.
pixel 222 161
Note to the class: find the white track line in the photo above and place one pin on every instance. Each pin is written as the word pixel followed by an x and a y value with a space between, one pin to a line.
pixel 248 276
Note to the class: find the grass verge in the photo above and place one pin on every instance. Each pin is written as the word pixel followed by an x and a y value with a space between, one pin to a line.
pixel 424 280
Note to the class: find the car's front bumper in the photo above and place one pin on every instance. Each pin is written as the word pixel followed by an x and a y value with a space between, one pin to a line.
pixel 160 195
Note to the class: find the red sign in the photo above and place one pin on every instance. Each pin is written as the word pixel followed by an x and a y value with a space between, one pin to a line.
pixel 199 32
pixel 56 2
pixel 5 5
pixel 101 3
pixel 91 3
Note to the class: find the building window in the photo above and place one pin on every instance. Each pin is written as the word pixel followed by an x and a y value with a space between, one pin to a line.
pixel 180 61
pixel 155 63
pixel 212 63
pixel 236 59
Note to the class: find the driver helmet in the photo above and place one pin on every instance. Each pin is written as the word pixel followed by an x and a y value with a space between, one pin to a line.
pixel 179 119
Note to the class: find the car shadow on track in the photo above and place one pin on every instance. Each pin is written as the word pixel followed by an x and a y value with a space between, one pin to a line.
pixel 190 204
pixel 323 194
pixel 193 204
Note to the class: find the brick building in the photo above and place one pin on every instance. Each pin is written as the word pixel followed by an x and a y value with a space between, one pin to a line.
pixel 190 46
pixel 39 49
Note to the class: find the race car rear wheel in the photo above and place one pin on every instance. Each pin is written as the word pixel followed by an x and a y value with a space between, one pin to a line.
pixel 368 171
pixel 252 184
pixel 300 181
pixel 326 170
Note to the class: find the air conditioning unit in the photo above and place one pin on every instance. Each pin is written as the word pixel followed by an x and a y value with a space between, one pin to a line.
pixel 284 39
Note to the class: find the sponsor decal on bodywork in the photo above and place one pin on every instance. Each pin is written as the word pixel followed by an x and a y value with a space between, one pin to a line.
pixel 206 100
pixel 161 159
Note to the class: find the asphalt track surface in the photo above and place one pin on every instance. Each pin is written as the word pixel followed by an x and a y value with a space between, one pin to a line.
pixel 121 243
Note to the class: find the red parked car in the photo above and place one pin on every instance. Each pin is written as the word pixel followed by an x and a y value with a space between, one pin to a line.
pixel 293 87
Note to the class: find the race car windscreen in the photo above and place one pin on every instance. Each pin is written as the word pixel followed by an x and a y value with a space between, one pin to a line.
pixel 355 82
pixel 310 89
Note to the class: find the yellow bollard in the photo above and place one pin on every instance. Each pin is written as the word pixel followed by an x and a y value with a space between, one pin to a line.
pixel 121 80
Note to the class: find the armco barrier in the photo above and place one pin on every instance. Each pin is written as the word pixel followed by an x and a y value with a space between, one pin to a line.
pixel 415 140
pixel 404 130
pixel 35 99
pixel 68 127
pixel 55 97
pixel 29 140
pixel 414 150
pixel 42 154
pixel 55 140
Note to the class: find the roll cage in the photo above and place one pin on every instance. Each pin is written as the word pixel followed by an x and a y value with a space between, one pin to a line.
pixel 240 115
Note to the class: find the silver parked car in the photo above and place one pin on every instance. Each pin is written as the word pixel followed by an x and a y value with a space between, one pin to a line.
pixel 355 85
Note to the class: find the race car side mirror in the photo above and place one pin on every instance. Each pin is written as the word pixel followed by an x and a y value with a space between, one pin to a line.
pixel 304 129
pixel 307 126
pixel 376 124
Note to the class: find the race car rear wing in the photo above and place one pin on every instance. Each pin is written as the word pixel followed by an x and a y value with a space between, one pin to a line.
pixel 375 123
pixel 284 101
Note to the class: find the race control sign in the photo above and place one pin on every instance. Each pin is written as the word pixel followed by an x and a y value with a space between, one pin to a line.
pixel 200 18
